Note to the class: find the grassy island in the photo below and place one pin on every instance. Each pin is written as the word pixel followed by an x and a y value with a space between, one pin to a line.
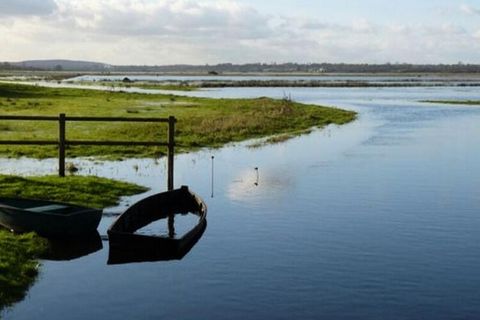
pixel 463 102
pixel 19 253
pixel 202 122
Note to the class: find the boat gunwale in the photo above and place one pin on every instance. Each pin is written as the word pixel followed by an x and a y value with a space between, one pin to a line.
pixel 82 209
pixel 186 236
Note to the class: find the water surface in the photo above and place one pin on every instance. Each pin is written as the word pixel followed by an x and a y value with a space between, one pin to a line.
pixel 377 219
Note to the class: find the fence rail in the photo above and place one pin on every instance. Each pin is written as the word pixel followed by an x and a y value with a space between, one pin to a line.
pixel 63 142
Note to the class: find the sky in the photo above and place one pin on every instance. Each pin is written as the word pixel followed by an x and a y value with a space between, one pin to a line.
pixel 163 32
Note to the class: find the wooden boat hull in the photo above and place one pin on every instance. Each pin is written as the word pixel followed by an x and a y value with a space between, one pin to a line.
pixel 61 220
pixel 127 246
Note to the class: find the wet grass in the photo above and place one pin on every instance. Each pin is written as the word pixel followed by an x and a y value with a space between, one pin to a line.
pixel 202 122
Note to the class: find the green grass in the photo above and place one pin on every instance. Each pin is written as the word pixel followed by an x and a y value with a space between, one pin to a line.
pixel 18 264
pixel 19 253
pixel 464 102
pixel 93 192
pixel 202 122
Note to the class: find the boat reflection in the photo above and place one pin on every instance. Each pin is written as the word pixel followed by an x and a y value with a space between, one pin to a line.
pixel 162 251
pixel 70 248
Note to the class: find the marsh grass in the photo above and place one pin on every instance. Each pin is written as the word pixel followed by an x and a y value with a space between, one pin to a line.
pixel 202 122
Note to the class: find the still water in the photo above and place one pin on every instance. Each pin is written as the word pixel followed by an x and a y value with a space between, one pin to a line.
pixel 377 219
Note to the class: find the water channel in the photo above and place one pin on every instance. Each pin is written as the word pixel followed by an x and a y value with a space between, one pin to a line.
pixel 377 219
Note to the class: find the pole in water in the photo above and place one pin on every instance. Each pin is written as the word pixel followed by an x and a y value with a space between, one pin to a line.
pixel 256 181
pixel 212 173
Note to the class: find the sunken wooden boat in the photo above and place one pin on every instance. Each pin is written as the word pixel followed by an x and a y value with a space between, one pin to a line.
pixel 48 218
pixel 128 246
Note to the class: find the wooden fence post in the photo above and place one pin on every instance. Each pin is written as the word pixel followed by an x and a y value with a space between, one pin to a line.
pixel 171 151
pixel 61 145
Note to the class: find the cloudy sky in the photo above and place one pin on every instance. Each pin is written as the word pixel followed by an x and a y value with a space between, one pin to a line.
pixel 241 31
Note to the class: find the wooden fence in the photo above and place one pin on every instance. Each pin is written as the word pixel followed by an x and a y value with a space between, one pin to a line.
pixel 63 142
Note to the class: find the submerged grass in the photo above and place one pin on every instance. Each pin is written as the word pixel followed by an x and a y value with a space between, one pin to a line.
pixel 19 253
pixel 202 122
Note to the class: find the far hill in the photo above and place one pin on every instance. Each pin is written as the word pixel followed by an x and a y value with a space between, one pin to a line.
pixel 66 65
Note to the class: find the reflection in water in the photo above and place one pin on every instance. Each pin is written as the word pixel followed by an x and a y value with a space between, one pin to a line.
pixel 169 249
pixel 213 176
pixel 71 248
pixel 274 183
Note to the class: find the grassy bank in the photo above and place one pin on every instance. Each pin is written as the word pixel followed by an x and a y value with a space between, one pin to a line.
pixel 90 191
pixel 464 102
pixel 202 122
pixel 19 253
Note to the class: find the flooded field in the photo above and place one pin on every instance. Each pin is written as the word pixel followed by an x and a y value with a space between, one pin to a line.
pixel 377 219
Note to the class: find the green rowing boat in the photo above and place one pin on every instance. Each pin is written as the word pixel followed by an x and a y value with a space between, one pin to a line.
pixel 48 218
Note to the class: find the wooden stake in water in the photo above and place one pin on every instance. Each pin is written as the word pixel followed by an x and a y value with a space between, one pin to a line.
pixel 212 173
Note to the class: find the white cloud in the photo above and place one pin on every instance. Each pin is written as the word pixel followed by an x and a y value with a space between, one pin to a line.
pixel 469 9
pixel 169 17
pixel 216 31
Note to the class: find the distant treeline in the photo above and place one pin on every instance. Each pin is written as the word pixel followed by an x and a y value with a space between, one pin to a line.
pixel 313 68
